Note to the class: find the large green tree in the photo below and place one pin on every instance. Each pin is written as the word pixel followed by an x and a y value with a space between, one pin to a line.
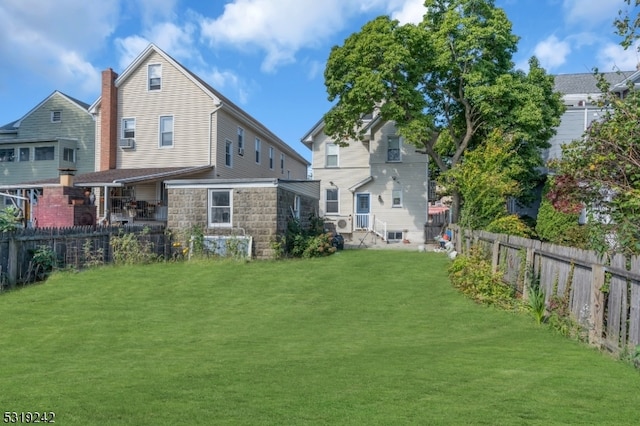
pixel 627 26
pixel 446 83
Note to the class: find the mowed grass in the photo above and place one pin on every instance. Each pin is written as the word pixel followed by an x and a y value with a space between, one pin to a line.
pixel 362 337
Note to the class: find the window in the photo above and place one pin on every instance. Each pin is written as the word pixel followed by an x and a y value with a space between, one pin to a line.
pixel 219 207
pixel 393 148
pixel 166 131
pixel 69 154
pixel 24 154
pixel 296 206
pixel 332 201
pixel 228 153
pixel 43 153
pixel 282 163
pixel 394 235
pixel 240 141
pixel 258 144
pixel 56 116
pixel 7 155
pixel 396 196
pixel 332 155
pixel 128 128
pixel 154 72
pixel 271 157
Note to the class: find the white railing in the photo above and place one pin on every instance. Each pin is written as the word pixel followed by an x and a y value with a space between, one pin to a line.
pixel 363 221
pixel 380 228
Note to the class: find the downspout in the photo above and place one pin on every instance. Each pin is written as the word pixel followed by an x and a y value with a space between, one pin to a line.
pixel 211 129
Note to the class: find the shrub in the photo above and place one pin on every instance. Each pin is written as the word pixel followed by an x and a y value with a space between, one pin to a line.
pixel 560 228
pixel 472 275
pixel 300 242
pixel 510 225
pixel 128 249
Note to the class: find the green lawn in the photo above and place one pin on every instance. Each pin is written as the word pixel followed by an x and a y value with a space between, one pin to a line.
pixel 363 337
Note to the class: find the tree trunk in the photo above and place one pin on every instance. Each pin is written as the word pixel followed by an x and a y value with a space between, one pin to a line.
pixel 455 206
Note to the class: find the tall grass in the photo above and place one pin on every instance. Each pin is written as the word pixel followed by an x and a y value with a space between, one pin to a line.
pixel 361 337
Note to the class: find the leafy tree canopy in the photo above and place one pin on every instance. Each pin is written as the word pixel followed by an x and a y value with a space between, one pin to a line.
pixel 627 26
pixel 446 83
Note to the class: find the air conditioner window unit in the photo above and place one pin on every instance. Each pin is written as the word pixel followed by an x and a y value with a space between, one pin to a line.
pixel 240 151
pixel 127 143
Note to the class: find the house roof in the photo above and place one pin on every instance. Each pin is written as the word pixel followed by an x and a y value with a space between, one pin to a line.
pixel 117 177
pixel 218 99
pixel 586 83
pixel 14 125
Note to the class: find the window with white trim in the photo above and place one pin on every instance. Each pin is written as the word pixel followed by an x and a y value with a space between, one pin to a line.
pixel 56 116
pixel 396 198
pixel 69 154
pixel 228 153
pixel 7 155
pixel 258 149
pixel 296 206
pixel 44 153
pixel 331 205
pixel 128 128
pixel 332 155
pixel 166 131
pixel 154 72
pixel 24 154
pixel 393 149
pixel 240 141
pixel 394 235
pixel 220 207
pixel 271 157
pixel 282 163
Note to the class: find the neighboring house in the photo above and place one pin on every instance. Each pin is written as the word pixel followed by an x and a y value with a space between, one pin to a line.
pixel 159 121
pixel 376 185
pixel 255 208
pixel 580 94
pixel 58 133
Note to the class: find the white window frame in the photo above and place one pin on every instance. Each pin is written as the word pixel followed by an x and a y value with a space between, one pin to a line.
pixel 228 153
pixel 296 206
pixel 396 194
pixel 162 132
pixel 332 151
pixel 229 209
pixel 56 116
pixel 20 151
pixel 258 150
pixel 66 150
pixel 394 157
pixel 240 141
pixel 126 120
pixel 151 75
pixel 271 159
pixel 282 163
pixel 336 201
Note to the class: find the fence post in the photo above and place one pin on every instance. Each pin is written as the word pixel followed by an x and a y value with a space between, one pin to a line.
pixel 529 273
pixel 597 305
pixel 12 267
pixel 495 259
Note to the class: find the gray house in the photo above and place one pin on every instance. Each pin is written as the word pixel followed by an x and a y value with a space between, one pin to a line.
pixel 57 133
pixel 258 208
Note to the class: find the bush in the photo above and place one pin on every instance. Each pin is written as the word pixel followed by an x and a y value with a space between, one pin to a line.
pixel 300 242
pixel 510 225
pixel 127 249
pixel 472 275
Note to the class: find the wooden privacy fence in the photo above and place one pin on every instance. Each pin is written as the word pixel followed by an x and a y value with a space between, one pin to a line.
pixel 73 247
pixel 604 293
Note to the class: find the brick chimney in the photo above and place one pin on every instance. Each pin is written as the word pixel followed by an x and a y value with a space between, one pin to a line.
pixel 109 121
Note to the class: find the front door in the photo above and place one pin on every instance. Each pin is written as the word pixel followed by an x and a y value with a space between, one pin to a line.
pixel 363 208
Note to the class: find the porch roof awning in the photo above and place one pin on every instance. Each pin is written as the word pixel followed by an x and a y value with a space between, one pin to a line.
pixel 361 183
pixel 116 177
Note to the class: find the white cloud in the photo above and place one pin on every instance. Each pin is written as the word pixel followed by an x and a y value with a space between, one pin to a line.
pixel 613 57
pixel 281 28
pixel 227 81
pixel 552 52
pixel 411 11
pixel 128 49
pixel 591 13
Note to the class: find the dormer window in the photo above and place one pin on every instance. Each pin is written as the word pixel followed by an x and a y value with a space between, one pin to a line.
pixel 56 116
pixel 155 76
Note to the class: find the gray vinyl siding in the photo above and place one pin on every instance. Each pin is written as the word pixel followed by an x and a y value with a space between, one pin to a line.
pixel 572 126
pixel 76 130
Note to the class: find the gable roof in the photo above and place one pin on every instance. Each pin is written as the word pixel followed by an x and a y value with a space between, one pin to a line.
pixel 13 126
pixel 218 99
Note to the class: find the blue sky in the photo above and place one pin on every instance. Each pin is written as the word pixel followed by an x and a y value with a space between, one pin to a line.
pixel 268 56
